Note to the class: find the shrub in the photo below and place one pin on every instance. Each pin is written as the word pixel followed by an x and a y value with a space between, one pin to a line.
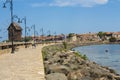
pixel 84 57
pixel 112 39
pixel 65 45
pixel 80 55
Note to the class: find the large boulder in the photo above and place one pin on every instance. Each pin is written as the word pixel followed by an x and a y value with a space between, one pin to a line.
pixel 75 75
pixel 59 68
pixel 56 76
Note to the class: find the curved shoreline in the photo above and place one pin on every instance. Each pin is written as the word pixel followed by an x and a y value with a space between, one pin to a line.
pixel 64 63
pixel 104 54
pixel 74 45
pixel 94 43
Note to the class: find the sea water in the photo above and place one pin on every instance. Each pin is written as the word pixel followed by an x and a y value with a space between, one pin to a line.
pixel 105 55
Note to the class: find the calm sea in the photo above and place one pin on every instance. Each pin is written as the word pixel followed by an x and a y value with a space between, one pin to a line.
pixel 106 55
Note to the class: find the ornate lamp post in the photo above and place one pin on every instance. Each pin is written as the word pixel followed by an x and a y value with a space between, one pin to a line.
pixel 36 33
pixel 11 9
pixel 42 34
pixel 49 34
pixel 28 33
pixel 20 21
pixel 55 37
pixel 33 26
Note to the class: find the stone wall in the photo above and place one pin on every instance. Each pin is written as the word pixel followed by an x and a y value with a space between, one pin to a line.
pixel 71 66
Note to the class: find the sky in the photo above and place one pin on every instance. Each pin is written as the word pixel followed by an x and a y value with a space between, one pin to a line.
pixel 63 16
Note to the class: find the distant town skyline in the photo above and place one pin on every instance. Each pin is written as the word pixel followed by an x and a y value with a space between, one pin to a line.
pixel 64 16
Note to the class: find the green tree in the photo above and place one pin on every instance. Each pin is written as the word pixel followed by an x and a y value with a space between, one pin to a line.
pixel 65 45
pixel 71 35
pixel 112 39
pixel 101 35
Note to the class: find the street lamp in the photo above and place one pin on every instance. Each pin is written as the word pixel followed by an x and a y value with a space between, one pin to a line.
pixel 42 34
pixel 11 9
pixel 33 26
pixel 20 21
pixel 36 33
pixel 0 37
pixel 36 36
pixel 28 33
pixel 49 34
pixel 55 37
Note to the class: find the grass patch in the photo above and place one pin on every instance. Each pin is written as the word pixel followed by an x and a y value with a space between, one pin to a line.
pixel 80 55
pixel 52 49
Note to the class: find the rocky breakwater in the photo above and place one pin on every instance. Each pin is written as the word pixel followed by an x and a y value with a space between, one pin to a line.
pixel 62 64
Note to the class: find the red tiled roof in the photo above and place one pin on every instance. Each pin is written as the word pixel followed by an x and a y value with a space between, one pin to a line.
pixel 117 33
pixel 108 32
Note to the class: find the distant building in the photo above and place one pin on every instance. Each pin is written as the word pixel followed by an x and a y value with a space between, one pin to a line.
pixel 16 30
pixel 88 37
pixel 73 38
pixel 116 35
pixel 108 35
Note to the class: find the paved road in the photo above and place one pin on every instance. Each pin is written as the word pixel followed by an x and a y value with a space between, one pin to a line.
pixel 25 64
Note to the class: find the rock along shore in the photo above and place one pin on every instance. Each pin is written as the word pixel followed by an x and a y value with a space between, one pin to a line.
pixel 62 64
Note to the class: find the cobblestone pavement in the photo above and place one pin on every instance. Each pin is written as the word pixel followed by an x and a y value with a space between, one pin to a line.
pixel 25 64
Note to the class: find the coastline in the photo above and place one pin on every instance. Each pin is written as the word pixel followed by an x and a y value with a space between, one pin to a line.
pixel 72 67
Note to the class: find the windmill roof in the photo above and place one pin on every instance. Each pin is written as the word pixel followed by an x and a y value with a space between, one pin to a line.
pixel 15 25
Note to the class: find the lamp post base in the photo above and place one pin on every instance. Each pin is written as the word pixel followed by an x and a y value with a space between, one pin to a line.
pixel 12 50
pixel 25 46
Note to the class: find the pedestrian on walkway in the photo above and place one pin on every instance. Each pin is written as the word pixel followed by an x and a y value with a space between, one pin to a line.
pixel 33 44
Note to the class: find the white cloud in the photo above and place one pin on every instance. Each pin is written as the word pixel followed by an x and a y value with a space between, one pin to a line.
pixel 39 4
pixel 91 3
pixel 65 3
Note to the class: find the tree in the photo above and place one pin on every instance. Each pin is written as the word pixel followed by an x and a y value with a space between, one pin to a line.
pixel 112 39
pixel 101 35
pixel 71 35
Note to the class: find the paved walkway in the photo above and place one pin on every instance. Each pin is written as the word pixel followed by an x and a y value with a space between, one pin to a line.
pixel 25 64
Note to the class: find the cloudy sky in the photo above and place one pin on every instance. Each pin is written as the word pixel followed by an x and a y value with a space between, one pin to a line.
pixel 64 16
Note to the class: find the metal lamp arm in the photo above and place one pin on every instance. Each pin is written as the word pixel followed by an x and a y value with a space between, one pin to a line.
pixel 16 18
pixel 7 1
pixel 22 19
